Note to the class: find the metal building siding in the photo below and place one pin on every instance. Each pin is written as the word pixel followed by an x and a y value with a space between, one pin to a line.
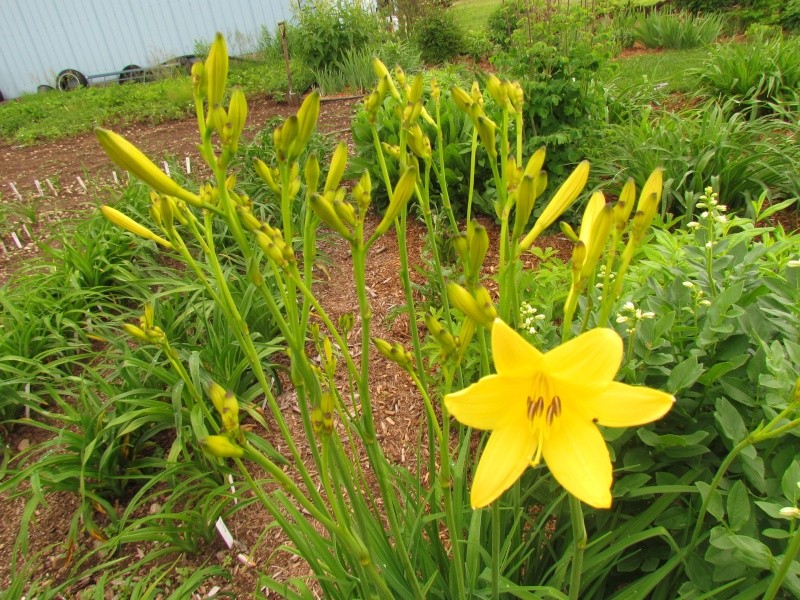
pixel 40 38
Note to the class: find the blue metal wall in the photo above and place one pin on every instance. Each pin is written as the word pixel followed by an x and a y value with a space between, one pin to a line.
pixel 40 38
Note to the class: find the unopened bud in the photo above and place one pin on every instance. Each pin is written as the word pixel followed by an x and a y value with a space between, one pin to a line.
pixel 221 446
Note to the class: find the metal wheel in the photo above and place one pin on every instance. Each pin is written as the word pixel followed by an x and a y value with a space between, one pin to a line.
pixel 70 79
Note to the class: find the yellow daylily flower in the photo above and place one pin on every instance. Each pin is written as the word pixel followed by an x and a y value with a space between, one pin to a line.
pixel 547 406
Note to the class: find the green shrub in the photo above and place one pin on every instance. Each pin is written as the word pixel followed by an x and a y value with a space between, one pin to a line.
pixel 325 31
pixel 711 321
pixel 504 20
pixel 478 45
pixel 677 31
pixel 563 101
pixel 439 37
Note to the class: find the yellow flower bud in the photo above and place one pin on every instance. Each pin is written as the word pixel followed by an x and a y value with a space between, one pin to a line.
pixel 496 90
pixel 486 130
pixel 216 69
pixel 462 99
pixel 221 446
pixel 478 241
pixel 379 68
pixel 466 303
pixel 336 170
pixel 307 117
pixel 395 353
pixel 199 83
pixel 323 208
pixel 443 337
pixel 484 301
pixel 419 142
pixel 461 246
pixel 345 211
pixel 312 173
pixel 400 196
pixel 237 115
pixel 267 175
pixel 217 395
pixel 598 238
pixel 362 192
pixel 560 202
pixel 624 206
pixel 415 93
pixel 247 219
pixel 136 332
pixel 125 222
pixel 130 158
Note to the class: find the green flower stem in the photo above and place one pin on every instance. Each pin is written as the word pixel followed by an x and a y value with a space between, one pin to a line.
pixel 381 160
pixel 408 293
pixel 374 451
pixel 496 525
pixel 579 541
pixel 608 298
pixel 762 433
pixel 242 334
pixel 519 127
pixel 441 173
pixel 783 568
pixel 472 161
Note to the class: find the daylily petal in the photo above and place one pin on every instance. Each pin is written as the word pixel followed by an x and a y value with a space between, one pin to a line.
pixel 506 456
pixel 512 355
pixel 577 455
pixel 622 405
pixel 491 403
pixel 594 356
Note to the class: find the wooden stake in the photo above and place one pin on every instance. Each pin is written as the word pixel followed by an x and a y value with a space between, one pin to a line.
pixel 114 175
pixel 285 43
pixel 39 190
pixel 16 191
pixel 166 168
pixel 188 165
pixel 16 240
pixel 50 185
pixel 80 183
pixel 28 233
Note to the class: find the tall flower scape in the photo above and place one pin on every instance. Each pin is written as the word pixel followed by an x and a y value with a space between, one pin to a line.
pixel 496 513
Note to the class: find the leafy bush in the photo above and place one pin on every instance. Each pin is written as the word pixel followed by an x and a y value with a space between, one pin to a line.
pixel 677 31
pixel 696 145
pixel 439 37
pixel 757 76
pixel 504 20
pixel 711 322
pixel 326 30
pixel 563 101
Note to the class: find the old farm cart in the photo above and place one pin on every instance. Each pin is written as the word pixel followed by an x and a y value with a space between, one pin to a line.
pixel 61 44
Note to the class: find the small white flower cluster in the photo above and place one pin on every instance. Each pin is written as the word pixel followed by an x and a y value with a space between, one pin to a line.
pixel 528 316
pixel 713 211
pixel 697 293
pixel 601 275
pixel 632 315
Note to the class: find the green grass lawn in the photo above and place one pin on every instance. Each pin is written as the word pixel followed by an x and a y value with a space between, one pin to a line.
pixel 673 68
pixel 473 14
